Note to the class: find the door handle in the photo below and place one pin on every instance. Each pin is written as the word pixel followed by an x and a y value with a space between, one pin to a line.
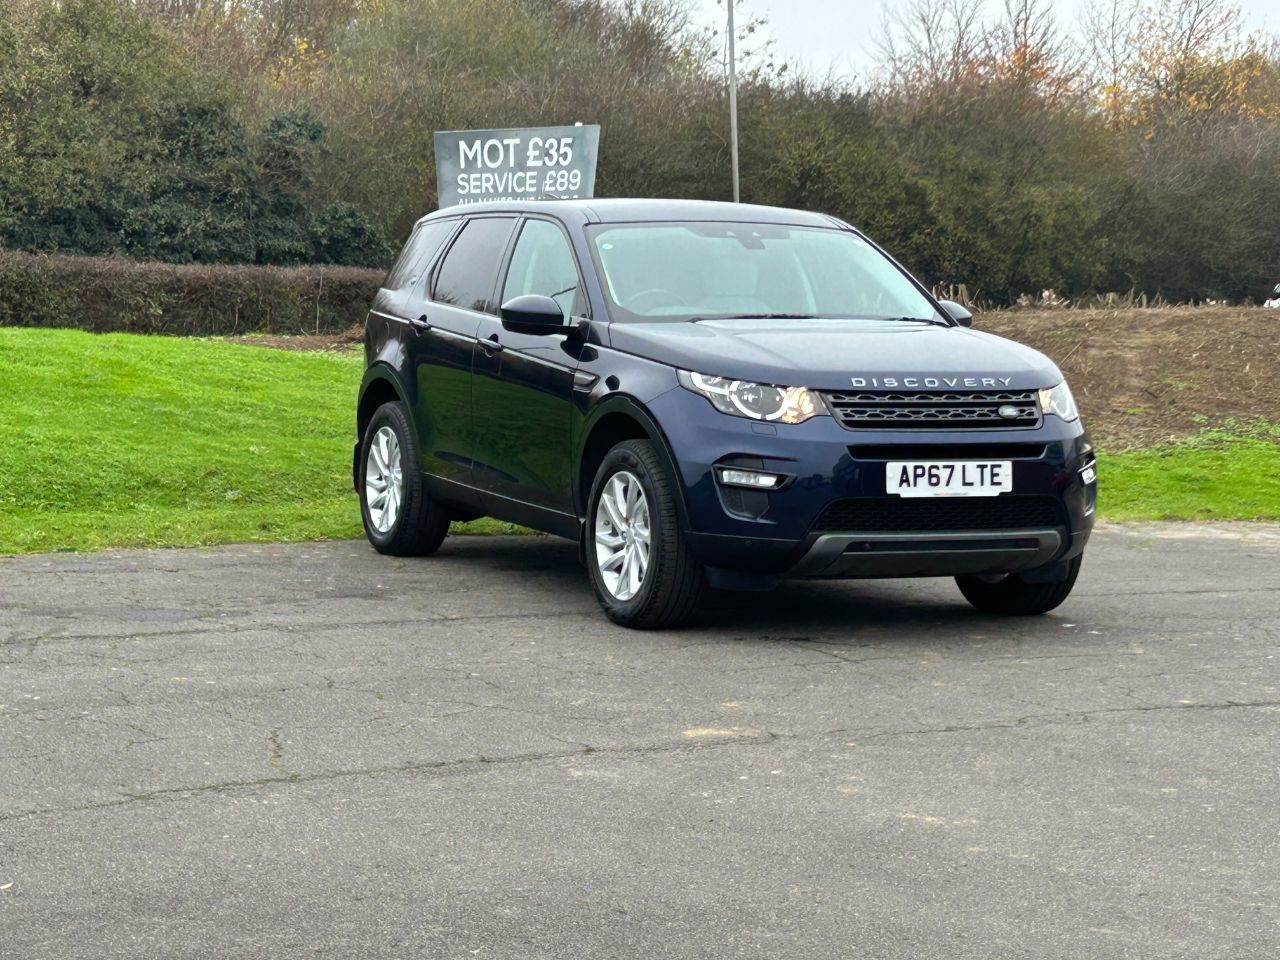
pixel 492 345
pixel 421 325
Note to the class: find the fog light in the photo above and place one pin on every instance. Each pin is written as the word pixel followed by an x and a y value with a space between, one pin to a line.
pixel 736 477
pixel 1089 474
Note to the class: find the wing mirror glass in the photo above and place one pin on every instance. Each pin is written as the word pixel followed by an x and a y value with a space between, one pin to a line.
pixel 956 312
pixel 534 314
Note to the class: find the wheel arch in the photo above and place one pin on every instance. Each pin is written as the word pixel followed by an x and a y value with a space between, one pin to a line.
pixel 378 387
pixel 617 419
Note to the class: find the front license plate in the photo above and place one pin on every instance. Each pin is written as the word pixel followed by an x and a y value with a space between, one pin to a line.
pixel 966 478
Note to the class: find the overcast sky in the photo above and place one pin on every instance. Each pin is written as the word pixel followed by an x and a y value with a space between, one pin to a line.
pixel 840 35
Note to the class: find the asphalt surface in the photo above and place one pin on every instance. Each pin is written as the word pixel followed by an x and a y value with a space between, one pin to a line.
pixel 314 751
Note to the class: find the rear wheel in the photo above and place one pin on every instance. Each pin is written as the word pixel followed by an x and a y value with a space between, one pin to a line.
pixel 400 518
pixel 643 571
pixel 1016 597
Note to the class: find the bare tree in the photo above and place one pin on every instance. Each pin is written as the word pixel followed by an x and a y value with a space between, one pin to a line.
pixel 1187 29
pixel 927 43
pixel 1157 61
pixel 1029 48
pixel 941 44
pixel 1112 42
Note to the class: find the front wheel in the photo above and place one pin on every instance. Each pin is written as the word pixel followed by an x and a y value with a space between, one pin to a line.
pixel 643 572
pixel 1016 597
pixel 400 518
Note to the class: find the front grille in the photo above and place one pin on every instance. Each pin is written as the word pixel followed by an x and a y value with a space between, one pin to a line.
pixel 897 410
pixel 940 515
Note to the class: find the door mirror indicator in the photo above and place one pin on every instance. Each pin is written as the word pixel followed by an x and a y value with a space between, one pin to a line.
pixel 956 312
pixel 534 314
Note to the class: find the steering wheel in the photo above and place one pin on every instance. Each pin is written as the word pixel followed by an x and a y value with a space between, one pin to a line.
pixel 671 299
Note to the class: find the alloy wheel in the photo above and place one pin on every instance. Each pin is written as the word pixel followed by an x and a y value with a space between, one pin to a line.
pixel 383 480
pixel 622 535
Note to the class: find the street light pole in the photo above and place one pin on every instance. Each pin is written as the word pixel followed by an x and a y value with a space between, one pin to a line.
pixel 733 104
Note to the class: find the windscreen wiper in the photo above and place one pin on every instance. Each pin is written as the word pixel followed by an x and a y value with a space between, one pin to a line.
pixel 758 316
pixel 930 320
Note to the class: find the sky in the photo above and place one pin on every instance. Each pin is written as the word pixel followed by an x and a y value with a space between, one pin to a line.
pixel 840 35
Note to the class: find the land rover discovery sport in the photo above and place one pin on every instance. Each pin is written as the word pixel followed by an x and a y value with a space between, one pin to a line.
pixel 712 395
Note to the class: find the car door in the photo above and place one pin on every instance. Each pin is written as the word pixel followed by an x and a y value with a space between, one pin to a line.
pixel 452 300
pixel 523 387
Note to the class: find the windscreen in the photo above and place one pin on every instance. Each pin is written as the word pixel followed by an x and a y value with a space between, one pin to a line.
pixel 682 271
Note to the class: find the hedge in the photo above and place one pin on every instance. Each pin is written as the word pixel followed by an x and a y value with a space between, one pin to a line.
pixel 110 294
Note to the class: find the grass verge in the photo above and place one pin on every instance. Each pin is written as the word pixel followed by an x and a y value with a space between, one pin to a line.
pixel 116 439
pixel 121 440
pixel 1228 473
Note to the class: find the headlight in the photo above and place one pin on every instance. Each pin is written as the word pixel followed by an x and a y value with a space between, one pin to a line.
pixel 1058 401
pixel 756 401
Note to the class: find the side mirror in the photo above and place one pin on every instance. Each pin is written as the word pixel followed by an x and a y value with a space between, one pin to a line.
pixel 533 314
pixel 957 313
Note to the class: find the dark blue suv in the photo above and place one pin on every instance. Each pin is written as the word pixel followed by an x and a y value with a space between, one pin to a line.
pixel 712 395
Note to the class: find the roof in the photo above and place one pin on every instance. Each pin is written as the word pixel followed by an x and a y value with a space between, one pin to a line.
pixel 625 210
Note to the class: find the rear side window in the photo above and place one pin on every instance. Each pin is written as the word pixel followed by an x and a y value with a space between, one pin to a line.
pixel 470 269
pixel 417 253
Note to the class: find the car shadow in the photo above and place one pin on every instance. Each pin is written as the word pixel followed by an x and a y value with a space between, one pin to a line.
pixel 794 608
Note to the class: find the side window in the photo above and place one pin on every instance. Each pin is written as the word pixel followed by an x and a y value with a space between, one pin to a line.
pixel 543 263
pixel 417 253
pixel 467 276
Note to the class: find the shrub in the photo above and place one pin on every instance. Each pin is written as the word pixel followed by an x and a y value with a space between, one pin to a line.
pixel 112 142
pixel 109 294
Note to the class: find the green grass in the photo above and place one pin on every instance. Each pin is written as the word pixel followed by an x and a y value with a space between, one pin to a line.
pixel 122 440
pixel 114 440
pixel 1229 473
pixel 119 440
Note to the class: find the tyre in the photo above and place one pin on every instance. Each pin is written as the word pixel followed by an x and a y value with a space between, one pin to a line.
pixel 1016 597
pixel 641 568
pixel 400 518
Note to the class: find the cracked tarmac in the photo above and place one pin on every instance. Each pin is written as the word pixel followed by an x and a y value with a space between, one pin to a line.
pixel 310 750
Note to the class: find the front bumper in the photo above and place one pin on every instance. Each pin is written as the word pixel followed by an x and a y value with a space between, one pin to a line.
pixel 927 554
pixel 775 533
